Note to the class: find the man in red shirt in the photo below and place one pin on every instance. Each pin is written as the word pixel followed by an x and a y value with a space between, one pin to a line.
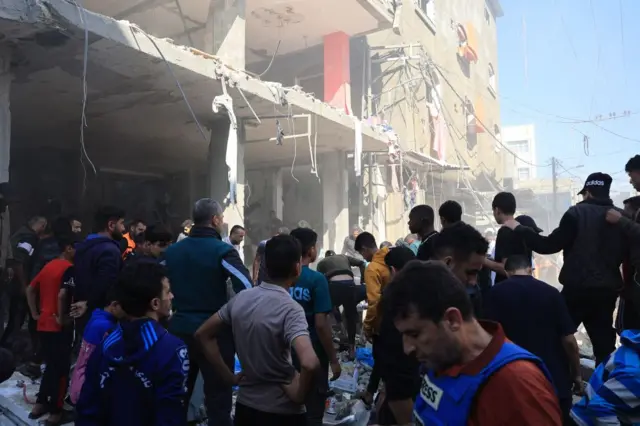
pixel 475 376
pixel 55 337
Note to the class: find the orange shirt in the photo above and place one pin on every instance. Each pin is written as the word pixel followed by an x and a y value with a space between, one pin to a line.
pixel 517 394
pixel 47 283
pixel 131 245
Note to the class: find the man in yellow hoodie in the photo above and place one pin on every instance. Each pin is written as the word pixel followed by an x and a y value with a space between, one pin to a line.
pixel 376 277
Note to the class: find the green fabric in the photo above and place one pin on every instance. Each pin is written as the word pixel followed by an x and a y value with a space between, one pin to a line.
pixel 198 281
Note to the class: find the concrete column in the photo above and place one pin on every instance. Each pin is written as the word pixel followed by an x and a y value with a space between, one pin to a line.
pixel 5 143
pixel 5 112
pixel 218 172
pixel 225 32
pixel 276 201
pixel 335 199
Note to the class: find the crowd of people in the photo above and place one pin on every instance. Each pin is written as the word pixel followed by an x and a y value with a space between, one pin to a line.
pixel 125 320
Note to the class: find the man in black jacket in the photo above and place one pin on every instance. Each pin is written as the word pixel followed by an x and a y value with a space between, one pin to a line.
pixel 593 251
pixel 421 222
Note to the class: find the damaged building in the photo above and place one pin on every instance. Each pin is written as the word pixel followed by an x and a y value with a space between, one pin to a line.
pixel 141 105
pixel 335 119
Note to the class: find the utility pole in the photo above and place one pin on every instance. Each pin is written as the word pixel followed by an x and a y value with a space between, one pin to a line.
pixel 554 182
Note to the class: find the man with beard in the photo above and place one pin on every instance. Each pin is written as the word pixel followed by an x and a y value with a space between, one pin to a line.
pixel 475 376
pixel 128 243
pixel 421 222
pixel 97 265
pixel 137 375
pixel 463 249
pixel 199 267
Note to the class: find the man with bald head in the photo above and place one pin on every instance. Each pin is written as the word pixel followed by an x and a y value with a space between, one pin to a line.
pixel 199 267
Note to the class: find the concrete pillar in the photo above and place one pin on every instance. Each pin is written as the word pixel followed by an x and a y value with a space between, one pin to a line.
pixel 5 112
pixel 335 199
pixel 225 32
pixel 5 143
pixel 276 201
pixel 218 172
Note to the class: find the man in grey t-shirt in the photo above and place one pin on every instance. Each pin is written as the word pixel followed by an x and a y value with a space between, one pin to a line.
pixel 266 323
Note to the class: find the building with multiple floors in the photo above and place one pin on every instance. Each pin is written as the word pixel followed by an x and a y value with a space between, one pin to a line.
pixel 335 112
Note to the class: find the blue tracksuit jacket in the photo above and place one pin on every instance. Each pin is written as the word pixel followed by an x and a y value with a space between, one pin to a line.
pixel 136 377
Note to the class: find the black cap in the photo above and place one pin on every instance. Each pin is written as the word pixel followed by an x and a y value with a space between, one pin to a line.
pixel 528 221
pixel 598 184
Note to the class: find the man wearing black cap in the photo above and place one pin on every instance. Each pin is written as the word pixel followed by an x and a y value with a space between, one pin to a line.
pixel 593 251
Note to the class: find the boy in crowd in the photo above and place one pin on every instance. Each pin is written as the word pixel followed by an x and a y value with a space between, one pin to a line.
pixel 137 376
pixel 267 323
pixel 55 339
pixel 101 323
pixel 311 290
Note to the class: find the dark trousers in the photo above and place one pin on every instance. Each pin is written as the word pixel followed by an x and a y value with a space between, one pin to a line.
pixel 315 402
pixel 565 408
pixel 217 394
pixel 374 379
pixel 594 308
pixel 343 293
pixel 56 352
pixel 18 313
pixel 246 416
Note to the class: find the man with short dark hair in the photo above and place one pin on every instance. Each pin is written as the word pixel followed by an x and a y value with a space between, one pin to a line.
pixel 23 244
pixel 138 375
pixel 450 213
pixel 337 270
pixel 398 371
pixel 267 325
pixel 259 269
pixel 128 242
pixel 376 278
pixel 235 238
pixel 534 316
pixel 632 168
pixel 199 267
pixel 151 246
pixel 463 249
pixel 97 263
pixel 311 290
pixel 421 220
pixel 507 243
pixel 593 251
pixel 474 375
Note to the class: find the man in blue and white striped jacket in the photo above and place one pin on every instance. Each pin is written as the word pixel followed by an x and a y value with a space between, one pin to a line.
pixel 613 393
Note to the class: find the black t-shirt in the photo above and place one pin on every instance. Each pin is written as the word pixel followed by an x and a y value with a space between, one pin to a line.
pixel 534 316
pixel 262 271
pixel 508 243
pixel 69 284
pixel 425 251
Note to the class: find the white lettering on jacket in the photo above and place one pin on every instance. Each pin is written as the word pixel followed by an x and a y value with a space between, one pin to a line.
pixel 431 393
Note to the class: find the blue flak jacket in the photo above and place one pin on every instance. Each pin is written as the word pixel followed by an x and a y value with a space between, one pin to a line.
pixel 136 377
pixel 447 400
pixel 613 391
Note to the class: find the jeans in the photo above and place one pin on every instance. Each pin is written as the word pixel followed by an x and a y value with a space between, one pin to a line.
pixel 317 397
pixel 218 394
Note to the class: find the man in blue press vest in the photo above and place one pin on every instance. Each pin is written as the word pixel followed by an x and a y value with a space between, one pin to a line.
pixel 199 267
pixel 475 376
